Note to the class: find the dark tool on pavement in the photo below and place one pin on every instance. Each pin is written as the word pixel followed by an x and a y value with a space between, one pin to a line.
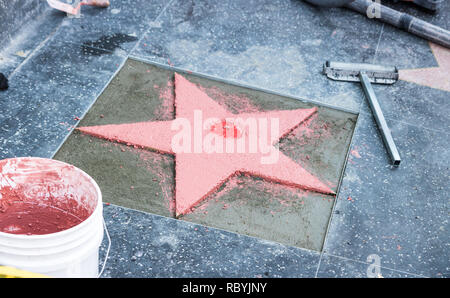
pixel 329 3
pixel 432 5
pixel 391 16
pixel 367 74
pixel 3 82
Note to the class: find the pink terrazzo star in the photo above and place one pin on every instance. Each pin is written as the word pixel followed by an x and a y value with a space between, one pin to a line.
pixel 198 174
pixel 434 77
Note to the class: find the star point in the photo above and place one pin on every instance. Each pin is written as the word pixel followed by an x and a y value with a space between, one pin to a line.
pixel 434 77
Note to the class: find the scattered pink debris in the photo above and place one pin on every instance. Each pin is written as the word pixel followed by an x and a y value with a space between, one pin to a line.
pixel 305 128
pixel 166 110
pixel 153 162
pixel 355 152
pixel 203 206
pixel 331 184
pixel 234 102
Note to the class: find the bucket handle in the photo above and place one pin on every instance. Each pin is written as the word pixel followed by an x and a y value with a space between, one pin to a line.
pixel 107 250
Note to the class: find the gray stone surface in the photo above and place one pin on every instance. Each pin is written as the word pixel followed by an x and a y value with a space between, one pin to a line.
pixel 113 29
pixel 279 45
pixel 56 85
pixel 413 104
pixel 405 101
pixel 15 13
pixel 337 267
pixel 146 245
pixel 26 38
pixel 401 215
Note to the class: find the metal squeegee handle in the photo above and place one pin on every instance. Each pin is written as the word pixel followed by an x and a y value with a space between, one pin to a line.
pixel 379 118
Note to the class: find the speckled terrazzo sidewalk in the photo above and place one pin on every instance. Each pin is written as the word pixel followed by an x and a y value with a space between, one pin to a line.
pixel 58 66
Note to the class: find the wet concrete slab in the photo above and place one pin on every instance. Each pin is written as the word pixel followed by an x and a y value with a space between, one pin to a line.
pixel 148 245
pixel 144 180
pixel 129 177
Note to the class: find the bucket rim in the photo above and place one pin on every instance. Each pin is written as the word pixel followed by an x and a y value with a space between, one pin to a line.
pixel 98 207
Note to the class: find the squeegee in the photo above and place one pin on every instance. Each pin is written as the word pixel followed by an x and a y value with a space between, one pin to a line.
pixel 367 74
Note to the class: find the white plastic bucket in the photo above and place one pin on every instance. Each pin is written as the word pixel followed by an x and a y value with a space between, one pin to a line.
pixel 71 252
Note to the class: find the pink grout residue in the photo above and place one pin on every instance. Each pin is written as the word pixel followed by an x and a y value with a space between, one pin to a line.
pixel 311 129
pixel 152 161
pixel 164 178
pixel 166 93
pixel 284 196
pixel 330 184
pixel 355 152
pixel 236 103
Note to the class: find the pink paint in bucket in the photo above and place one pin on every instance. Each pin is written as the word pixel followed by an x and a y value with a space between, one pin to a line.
pixel 51 218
